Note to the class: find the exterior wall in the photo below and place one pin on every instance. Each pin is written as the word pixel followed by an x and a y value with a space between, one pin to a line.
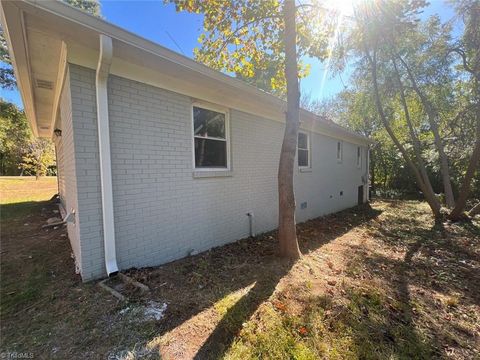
pixel 87 167
pixel 162 210
pixel 67 176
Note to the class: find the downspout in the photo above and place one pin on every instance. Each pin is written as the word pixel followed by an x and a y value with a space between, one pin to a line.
pixel 103 69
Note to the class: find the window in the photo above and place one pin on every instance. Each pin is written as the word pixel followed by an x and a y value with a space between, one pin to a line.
pixel 210 129
pixel 359 156
pixel 303 150
pixel 339 151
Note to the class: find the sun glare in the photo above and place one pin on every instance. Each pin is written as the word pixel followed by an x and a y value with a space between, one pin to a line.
pixel 344 7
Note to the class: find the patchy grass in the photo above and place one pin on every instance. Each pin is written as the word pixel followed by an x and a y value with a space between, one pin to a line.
pixel 20 189
pixel 20 195
pixel 374 283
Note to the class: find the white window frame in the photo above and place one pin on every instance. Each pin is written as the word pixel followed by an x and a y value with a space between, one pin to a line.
pixel 218 109
pixel 359 157
pixel 309 158
pixel 339 158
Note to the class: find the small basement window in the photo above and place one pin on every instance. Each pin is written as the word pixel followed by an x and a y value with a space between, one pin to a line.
pixel 359 156
pixel 303 150
pixel 210 136
pixel 339 151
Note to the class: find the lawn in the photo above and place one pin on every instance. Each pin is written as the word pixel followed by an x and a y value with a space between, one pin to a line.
pixel 374 282
pixel 20 194
pixel 20 189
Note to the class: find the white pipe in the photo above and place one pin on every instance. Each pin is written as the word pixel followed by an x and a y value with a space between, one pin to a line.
pixel 103 69
pixel 251 218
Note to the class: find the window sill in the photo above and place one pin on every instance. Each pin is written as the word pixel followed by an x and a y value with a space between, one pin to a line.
pixel 305 170
pixel 200 174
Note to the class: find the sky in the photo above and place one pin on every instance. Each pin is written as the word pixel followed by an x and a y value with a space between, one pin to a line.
pixel 179 32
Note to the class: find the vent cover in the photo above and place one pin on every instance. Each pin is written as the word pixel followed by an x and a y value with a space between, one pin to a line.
pixel 44 84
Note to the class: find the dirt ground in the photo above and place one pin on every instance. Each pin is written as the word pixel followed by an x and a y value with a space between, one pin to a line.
pixel 374 282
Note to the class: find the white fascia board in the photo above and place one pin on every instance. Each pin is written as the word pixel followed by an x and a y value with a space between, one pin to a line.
pixel 83 56
pixel 14 29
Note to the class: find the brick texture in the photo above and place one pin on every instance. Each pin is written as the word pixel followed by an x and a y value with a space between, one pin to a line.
pixel 162 212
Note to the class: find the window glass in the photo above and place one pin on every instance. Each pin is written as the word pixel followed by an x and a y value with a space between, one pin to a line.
pixel 303 150
pixel 208 123
pixel 302 157
pixel 210 153
pixel 302 141
pixel 210 141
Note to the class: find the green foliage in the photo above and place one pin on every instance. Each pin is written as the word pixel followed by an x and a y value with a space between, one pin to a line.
pixel 38 157
pixel 20 153
pixel 245 38
pixel 7 78
pixel 90 6
pixel 393 31
pixel 15 136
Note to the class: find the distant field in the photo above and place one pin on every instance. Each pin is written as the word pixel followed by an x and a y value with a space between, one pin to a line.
pixel 19 189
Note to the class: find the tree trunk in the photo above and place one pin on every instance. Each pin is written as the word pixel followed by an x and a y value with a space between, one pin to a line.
pixel 430 198
pixel 432 119
pixel 372 171
pixel 287 234
pixel 465 189
pixel 416 143
pixel 473 67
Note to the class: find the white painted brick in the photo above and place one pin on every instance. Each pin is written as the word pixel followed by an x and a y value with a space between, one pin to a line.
pixel 161 211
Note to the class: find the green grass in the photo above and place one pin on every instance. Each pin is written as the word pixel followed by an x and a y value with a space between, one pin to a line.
pixel 14 190
pixel 22 196
pixel 358 327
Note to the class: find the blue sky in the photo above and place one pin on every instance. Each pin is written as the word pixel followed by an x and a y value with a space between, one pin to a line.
pixel 179 32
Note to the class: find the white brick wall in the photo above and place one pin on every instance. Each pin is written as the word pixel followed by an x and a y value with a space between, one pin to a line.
pixel 161 211
pixel 67 173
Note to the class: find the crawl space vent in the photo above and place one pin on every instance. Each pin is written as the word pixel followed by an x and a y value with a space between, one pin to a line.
pixel 44 84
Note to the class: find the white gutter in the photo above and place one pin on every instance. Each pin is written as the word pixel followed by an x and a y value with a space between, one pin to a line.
pixel 103 69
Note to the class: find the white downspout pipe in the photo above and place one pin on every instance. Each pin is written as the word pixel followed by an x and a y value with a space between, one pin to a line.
pixel 103 69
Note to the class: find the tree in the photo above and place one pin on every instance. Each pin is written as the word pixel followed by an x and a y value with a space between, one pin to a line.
pixel 262 42
pixel 426 100
pixel 468 48
pixel 15 136
pixel 38 157
pixel 90 6
pixel 7 77
pixel 366 41
pixel 287 233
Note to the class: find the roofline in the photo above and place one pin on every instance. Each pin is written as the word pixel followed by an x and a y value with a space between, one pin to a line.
pixel 19 56
pixel 101 26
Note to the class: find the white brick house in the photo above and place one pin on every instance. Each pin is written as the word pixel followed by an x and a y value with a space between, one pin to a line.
pixel 160 156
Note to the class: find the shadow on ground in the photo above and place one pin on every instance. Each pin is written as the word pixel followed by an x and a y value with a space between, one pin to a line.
pixel 192 285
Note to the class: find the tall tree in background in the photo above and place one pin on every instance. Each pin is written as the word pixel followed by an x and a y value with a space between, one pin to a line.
pixel 421 98
pixel 15 136
pixel 262 42
pixel 468 48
